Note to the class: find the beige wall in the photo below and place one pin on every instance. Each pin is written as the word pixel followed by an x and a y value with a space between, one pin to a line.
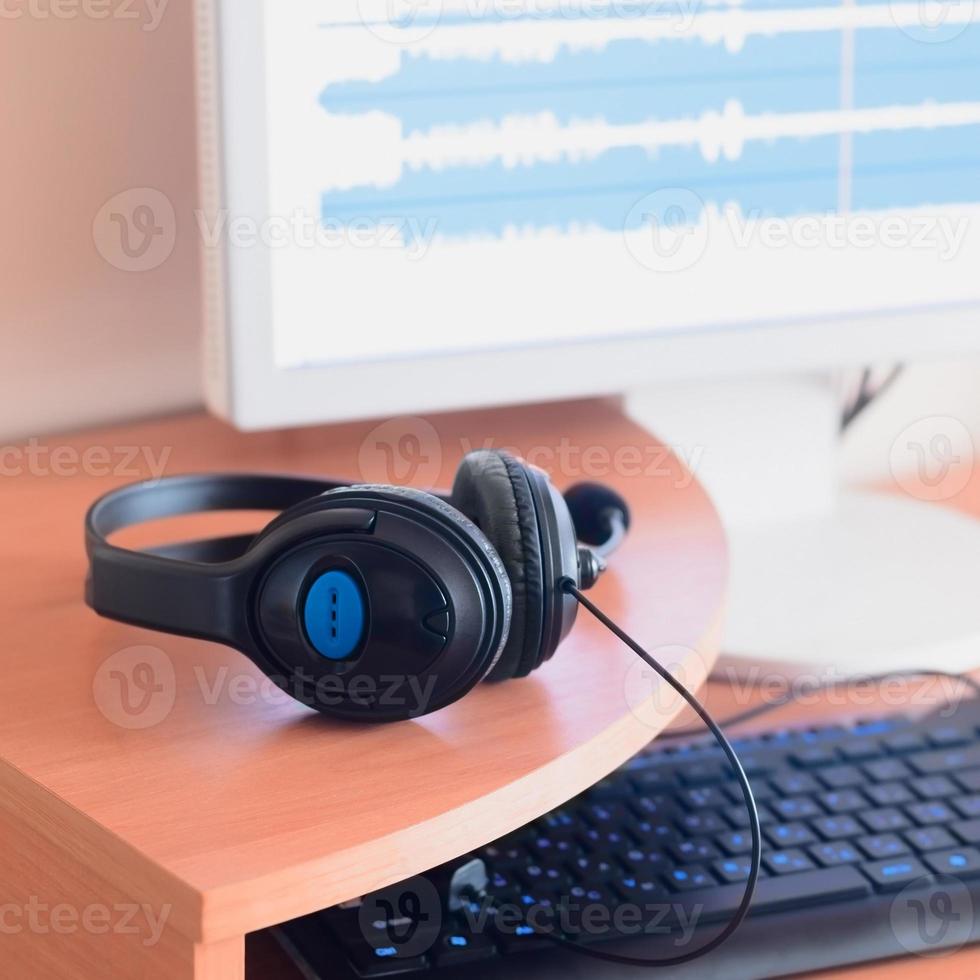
pixel 89 108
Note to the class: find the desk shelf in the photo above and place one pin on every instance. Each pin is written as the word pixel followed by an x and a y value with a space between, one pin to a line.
pixel 235 810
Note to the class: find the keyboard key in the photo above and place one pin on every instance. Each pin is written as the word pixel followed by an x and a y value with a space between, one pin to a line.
pixel 833 853
pixel 518 938
pixel 945 760
pixel 643 861
pixel 967 806
pixel 738 816
pixel 794 784
pixel 635 888
pixel 502 858
pixel 964 862
pixel 587 867
pixel 651 780
pixel 654 807
pixel 968 831
pixel 935 787
pixel 902 742
pixel 929 838
pixel 382 961
pixel 790 835
pixel 590 894
pixel 928 813
pixel 735 842
pixel 843 800
pixel 969 780
pixel 842 777
pixel 554 848
pixel 603 815
pixel 860 750
pixel 555 821
pixel 690 878
pixel 948 736
pixel 796 808
pixel 883 846
pixel 790 891
pixel 600 839
pixel 887 770
pixel 894 873
pixel 761 790
pixel 833 828
pixel 462 947
pixel 732 869
pixel 552 876
pixel 889 794
pixel 501 881
pixel 701 797
pixel 701 824
pixel 787 862
pixel 693 850
pixel 612 789
pixel 814 757
pixel 703 773
pixel 885 819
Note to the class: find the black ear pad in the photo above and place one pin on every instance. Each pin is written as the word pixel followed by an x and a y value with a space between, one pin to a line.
pixel 492 489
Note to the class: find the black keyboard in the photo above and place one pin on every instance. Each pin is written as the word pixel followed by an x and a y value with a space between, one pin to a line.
pixel 871 849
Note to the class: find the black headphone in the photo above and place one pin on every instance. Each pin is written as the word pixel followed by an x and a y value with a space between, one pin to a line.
pixel 380 603
pixel 366 601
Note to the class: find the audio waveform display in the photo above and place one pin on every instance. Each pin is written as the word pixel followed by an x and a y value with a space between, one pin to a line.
pixel 483 124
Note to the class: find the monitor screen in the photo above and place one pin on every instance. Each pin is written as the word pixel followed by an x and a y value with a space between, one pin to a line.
pixel 452 176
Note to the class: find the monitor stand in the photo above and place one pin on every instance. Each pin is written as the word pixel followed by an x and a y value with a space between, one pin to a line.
pixel 826 582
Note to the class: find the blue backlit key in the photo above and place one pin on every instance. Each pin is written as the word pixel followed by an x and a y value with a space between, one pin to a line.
pixel 895 873
pixel 834 852
pixel 787 862
pixel 964 862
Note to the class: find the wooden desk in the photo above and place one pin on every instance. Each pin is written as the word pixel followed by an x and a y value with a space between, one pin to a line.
pixel 212 810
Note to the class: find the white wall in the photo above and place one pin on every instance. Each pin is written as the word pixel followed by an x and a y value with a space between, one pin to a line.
pixel 91 108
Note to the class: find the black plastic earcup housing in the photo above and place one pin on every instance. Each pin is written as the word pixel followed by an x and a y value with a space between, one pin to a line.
pixel 438 599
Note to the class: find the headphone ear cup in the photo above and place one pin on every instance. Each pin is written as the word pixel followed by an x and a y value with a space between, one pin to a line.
pixel 493 490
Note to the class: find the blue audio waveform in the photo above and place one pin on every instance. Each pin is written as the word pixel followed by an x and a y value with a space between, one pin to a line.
pixel 735 122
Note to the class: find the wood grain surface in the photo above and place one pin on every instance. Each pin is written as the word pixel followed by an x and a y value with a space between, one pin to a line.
pixel 236 809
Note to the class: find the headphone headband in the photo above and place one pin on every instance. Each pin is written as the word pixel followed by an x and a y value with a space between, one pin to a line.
pixel 187 587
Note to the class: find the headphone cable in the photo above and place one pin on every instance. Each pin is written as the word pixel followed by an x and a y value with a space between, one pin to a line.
pixel 569 587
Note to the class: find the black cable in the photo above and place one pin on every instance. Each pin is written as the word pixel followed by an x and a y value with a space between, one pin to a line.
pixel 742 911
pixel 866 395
pixel 793 693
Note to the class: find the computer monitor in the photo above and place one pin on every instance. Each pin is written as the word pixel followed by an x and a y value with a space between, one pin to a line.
pixel 416 205
pixel 426 204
